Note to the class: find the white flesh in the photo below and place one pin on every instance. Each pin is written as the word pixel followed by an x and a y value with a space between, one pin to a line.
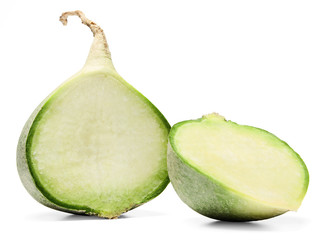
pixel 98 142
pixel 245 159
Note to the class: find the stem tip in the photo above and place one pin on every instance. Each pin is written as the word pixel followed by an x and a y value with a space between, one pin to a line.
pixel 93 26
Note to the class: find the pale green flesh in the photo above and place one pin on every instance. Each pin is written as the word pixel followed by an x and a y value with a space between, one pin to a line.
pixel 99 144
pixel 247 160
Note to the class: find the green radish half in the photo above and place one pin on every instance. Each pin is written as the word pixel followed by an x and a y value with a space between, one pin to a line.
pixel 95 145
pixel 233 172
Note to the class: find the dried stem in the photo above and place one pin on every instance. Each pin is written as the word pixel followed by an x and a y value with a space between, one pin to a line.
pixel 96 30
pixel 92 25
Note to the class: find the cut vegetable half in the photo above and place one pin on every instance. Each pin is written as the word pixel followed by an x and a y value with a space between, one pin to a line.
pixel 95 145
pixel 233 172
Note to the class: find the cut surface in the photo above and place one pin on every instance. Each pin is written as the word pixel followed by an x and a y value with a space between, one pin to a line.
pixel 245 159
pixel 98 144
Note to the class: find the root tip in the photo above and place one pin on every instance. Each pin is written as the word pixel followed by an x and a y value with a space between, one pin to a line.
pixel 64 16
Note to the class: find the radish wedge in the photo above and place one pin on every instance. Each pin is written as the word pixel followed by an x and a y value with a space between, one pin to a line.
pixel 95 145
pixel 233 172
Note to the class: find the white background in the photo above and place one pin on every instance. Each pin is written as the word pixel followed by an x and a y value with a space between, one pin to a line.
pixel 255 62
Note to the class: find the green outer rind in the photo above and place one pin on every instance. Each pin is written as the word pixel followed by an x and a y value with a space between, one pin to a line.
pixel 210 197
pixel 30 179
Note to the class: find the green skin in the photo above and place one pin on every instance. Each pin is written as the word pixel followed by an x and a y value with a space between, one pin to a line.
pixel 98 62
pixel 209 197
